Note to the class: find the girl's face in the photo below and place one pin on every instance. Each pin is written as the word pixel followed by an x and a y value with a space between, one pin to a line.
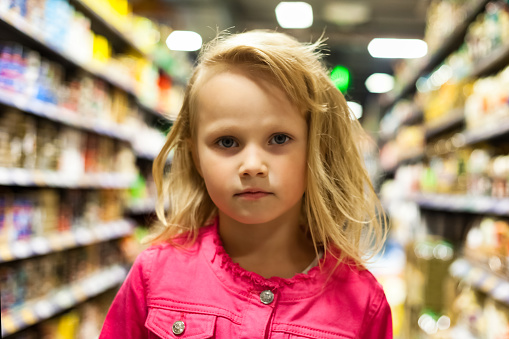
pixel 250 148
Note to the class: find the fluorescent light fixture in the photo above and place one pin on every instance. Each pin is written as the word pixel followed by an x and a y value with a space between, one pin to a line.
pixel 184 41
pixel 296 14
pixel 355 108
pixel 397 48
pixel 379 83
pixel 346 13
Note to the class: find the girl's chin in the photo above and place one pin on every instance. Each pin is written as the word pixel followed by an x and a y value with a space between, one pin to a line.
pixel 254 219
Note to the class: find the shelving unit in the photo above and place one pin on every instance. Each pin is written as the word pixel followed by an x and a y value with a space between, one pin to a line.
pixel 102 26
pixel 30 37
pixel 476 215
pixel 21 177
pixel 62 299
pixel 482 279
pixel 463 203
pixel 454 119
pixel 79 237
pixel 450 44
pixel 487 133
pixel 65 116
pixel 26 35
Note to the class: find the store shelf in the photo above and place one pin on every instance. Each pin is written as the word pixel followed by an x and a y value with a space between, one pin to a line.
pixel 494 62
pixel 482 279
pixel 146 155
pixel 60 241
pixel 61 299
pixel 144 206
pixel 453 119
pixel 450 43
pixel 103 27
pixel 65 116
pixel 488 132
pixel 411 158
pixel 155 112
pixel 25 34
pixel 413 119
pixel 28 178
pixel 120 40
pixel 463 203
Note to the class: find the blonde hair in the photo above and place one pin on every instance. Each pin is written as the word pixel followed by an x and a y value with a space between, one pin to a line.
pixel 340 207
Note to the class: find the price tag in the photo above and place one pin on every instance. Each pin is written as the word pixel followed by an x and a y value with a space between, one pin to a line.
pixel 21 249
pixel 5 253
pixel 28 316
pixel 78 293
pixel 101 233
pixel 68 240
pixel 35 106
pixel 489 283
pixel 44 309
pixel 40 245
pixel 475 275
pixel 8 325
pixel 108 231
pixel 501 292
pixel 4 175
pixel 91 286
pixel 38 178
pixel 64 299
pixel 55 242
pixel 53 179
pixel 19 101
pixel 83 236
pixel 21 177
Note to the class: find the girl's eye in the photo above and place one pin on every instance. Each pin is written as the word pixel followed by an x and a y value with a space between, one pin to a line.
pixel 227 142
pixel 279 139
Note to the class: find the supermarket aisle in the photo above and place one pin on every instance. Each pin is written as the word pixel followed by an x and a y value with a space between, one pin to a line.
pixel 85 103
pixel 84 107
pixel 444 155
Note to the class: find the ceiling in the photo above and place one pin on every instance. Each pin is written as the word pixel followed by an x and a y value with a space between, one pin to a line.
pixel 348 25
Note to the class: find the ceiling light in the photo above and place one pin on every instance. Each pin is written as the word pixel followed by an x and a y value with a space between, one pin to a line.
pixel 184 41
pixel 379 83
pixel 397 48
pixel 294 14
pixel 355 108
pixel 346 13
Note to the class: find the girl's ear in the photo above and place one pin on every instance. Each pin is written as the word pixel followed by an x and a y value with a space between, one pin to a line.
pixel 194 154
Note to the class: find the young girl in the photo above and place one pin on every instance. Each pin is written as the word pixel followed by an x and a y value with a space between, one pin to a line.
pixel 271 211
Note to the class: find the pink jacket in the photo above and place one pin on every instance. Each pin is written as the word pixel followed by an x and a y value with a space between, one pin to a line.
pixel 198 292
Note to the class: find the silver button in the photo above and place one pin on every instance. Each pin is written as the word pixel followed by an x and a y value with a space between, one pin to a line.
pixel 178 327
pixel 266 297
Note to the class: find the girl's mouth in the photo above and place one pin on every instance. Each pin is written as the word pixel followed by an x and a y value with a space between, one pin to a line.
pixel 252 194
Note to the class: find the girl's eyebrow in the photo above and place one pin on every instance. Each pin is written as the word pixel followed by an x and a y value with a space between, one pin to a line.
pixel 222 128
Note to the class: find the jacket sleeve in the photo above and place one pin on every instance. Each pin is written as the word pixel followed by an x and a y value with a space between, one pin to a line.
pixel 127 314
pixel 380 324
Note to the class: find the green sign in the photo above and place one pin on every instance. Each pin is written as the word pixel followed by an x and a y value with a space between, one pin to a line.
pixel 341 78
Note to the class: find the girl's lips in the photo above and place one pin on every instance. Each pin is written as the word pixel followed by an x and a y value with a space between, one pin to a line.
pixel 252 195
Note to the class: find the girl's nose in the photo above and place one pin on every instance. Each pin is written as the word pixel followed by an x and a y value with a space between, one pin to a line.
pixel 252 163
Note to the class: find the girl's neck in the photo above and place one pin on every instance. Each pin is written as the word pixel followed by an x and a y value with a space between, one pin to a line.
pixel 276 248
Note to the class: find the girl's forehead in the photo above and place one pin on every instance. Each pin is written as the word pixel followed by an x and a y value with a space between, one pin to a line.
pixel 259 75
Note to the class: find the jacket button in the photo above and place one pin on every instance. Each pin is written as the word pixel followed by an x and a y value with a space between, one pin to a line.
pixel 178 327
pixel 266 297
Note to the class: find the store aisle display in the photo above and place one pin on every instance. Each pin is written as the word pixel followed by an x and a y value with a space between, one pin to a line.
pixel 445 157
pixel 84 106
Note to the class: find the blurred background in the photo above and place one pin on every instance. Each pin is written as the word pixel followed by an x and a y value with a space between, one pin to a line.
pixel 90 88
